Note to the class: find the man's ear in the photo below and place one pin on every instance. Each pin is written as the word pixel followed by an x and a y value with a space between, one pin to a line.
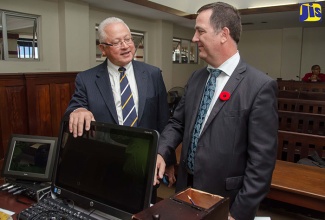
pixel 101 48
pixel 225 34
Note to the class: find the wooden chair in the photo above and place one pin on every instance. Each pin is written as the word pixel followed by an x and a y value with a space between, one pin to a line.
pixel 297 105
pixel 302 122
pixel 293 146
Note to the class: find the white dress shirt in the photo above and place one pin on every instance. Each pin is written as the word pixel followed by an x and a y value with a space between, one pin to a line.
pixel 227 69
pixel 114 77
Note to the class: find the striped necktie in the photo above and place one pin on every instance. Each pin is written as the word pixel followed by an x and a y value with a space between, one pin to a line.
pixel 209 90
pixel 128 107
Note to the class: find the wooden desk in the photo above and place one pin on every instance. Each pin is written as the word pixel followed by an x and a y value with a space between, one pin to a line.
pixel 9 202
pixel 298 184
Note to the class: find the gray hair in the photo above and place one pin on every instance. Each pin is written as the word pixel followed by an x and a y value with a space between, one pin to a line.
pixel 101 32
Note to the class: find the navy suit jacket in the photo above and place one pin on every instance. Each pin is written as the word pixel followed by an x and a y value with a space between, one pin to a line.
pixel 93 92
pixel 236 151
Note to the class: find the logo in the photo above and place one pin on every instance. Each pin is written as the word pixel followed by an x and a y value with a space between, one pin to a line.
pixel 310 12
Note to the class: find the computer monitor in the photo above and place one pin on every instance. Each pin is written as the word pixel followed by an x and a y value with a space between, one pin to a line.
pixel 30 158
pixel 109 168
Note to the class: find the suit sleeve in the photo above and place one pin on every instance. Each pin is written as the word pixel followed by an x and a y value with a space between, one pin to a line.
pixel 261 150
pixel 163 108
pixel 79 98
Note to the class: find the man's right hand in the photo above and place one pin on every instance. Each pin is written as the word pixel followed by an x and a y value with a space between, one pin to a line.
pixel 160 169
pixel 79 119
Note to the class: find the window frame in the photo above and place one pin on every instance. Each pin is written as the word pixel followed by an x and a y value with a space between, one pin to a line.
pixel 4 53
pixel 183 52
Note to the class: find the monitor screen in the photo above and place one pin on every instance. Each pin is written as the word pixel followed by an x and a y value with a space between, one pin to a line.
pixel 30 158
pixel 109 168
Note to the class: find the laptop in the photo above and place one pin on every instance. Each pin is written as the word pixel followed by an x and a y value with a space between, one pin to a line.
pixel 110 168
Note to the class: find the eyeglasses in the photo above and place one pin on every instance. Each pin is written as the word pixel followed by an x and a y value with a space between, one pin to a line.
pixel 118 44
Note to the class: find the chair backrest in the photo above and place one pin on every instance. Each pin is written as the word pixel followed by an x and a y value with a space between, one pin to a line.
pixel 302 95
pixel 293 146
pixel 307 123
pixel 299 105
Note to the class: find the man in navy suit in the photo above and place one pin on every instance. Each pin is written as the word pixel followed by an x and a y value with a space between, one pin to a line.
pixel 236 142
pixel 97 95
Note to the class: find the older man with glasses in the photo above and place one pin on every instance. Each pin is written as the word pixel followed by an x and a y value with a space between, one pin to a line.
pixel 120 90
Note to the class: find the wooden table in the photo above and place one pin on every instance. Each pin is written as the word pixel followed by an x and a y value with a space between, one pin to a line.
pixel 14 203
pixel 298 184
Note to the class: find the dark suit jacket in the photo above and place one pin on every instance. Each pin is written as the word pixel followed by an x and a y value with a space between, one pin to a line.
pixel 94 92
pixel 236 152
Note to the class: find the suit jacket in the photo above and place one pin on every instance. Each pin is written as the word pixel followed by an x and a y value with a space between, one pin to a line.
pixel 236 151
pixel 93 92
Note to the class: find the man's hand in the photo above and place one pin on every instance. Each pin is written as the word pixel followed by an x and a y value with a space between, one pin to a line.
pixel 160 169
pixel 170 172
pixel 79 118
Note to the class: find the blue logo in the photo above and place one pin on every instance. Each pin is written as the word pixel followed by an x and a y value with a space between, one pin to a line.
pixel 310 12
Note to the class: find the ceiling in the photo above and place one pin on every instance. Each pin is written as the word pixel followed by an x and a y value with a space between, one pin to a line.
pixel 256 14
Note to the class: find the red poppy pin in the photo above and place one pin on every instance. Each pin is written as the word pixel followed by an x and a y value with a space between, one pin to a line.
pixel 224 96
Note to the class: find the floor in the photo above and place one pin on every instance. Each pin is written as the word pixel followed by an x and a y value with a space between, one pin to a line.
pixel 268 208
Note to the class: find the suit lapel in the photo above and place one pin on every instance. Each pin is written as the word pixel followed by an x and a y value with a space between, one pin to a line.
pixel 230 87
pixel 104 85
pixel 141 77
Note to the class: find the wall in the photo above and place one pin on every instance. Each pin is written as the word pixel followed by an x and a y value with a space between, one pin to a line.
pixel 48 10
pixel 68 42
pixel 284 53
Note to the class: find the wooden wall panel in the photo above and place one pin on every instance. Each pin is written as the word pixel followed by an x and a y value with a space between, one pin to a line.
pixel 33 104
pixel 13 111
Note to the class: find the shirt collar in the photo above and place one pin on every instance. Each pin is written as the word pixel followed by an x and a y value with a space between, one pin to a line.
pixel 112 66
pixel 229 65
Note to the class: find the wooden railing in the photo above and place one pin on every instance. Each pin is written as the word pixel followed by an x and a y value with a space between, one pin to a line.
pixel 301 86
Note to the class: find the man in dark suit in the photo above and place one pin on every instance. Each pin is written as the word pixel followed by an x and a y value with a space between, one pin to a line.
pixel 98 96
pixel 230 150
pixel 98 90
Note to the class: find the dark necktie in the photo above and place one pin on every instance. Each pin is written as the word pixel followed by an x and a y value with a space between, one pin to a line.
pixel 209 89
pixel 128 107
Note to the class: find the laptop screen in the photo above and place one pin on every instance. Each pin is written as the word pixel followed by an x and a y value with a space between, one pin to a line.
pixel 109 168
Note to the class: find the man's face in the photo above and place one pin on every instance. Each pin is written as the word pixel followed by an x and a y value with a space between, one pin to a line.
pixel 123 52
pixel 205 36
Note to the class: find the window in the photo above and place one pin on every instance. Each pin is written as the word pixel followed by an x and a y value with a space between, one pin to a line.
pixel 184 51
pixel 18 36
pixel 138 39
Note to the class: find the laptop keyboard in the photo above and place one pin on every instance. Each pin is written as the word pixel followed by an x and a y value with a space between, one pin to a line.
pixel 49 208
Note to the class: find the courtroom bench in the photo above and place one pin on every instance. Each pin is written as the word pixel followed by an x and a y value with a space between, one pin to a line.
pixel 301 95
pixel 299 185
pixel 302 122
pixel 300 105
pixel 293 146
pixel 301 86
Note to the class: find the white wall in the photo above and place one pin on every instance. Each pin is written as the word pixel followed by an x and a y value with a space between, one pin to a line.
pixel 48 10
pixel 68 42
pixel 313 49
pixel 284 53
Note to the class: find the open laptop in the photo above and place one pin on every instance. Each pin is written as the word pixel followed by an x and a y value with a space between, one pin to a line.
pixel 109 168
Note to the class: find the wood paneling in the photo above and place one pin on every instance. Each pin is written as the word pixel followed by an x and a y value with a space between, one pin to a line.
pixel 33 104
